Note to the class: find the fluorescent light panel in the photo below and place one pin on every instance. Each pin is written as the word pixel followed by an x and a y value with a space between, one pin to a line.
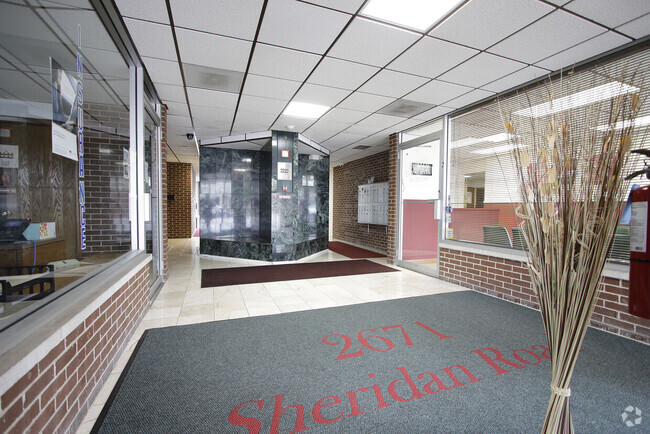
pixel 305 110
pixel 497 149
pixel 638 122
pixel 579 99
pixel 496 138
pixel 415 14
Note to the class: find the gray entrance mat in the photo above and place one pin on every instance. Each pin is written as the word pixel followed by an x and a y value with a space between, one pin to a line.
pixel 456 362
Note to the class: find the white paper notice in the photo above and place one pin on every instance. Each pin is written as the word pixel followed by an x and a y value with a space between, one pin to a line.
pixel 284 171
pixel 639 227
pixel 64 143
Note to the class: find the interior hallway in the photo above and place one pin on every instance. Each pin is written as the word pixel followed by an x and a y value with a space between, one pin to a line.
pixel 183 301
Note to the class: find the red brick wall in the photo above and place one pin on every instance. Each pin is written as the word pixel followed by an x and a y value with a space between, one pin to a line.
pixel 509 280
pixel 106 134
pixel 393 165
pixel 179 210
pixel 347 179
pixel 54 394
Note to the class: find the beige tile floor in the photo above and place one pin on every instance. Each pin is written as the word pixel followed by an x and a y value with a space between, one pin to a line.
pixel 183 301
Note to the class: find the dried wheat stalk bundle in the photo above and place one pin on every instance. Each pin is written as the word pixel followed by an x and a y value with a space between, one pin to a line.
pixel 571 161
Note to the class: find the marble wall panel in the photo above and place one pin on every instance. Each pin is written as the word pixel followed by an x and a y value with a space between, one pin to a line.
pixel 242 213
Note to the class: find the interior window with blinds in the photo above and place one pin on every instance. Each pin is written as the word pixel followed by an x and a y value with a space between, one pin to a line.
pixel 482 187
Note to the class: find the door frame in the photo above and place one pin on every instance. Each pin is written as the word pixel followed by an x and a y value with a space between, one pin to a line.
pixel 438 135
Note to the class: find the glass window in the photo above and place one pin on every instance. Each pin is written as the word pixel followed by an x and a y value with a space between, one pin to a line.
pixel 151 191
pixel 64 151
pixel 482 188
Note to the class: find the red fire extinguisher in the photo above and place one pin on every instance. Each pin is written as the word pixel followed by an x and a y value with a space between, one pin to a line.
pixel 639 303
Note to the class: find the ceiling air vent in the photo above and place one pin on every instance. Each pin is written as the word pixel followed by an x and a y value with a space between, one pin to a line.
pixel 361 147
pixel 212 78
pixel 405 108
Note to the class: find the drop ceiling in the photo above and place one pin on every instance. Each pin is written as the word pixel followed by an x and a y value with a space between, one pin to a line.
pixel 227 68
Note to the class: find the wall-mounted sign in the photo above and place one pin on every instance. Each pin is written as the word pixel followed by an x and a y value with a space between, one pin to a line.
pixel 283 155
pixel 422 169
pixel 5 133
pixel 284 172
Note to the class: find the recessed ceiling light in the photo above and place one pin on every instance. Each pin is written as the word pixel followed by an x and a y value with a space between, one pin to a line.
pixel 415 14
pixel 305 110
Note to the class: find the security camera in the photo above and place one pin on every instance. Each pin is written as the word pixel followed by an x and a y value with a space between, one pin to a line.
pixel 190 136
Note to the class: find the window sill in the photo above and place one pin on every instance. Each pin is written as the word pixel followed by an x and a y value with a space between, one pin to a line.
pixel 612 270
pixel 26 343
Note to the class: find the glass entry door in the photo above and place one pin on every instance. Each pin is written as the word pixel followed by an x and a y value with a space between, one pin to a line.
pixel 420 205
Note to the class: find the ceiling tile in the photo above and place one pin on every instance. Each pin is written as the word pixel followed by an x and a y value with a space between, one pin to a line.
pixel 363 130
pixel 212 114
pixel 177 109
pixel 431 57
pixel 505 18
pixel 323 95
pixel 214 51
pixel 610 13
pixel 152 39
pixel 223 17
pixel 481 69
pixel 323 130
pixel 377 139
pixel 392 83
pixel 349 6
pixel 163 71
pixel 170 93
pixel 301 26
pixel 433 113
pixel 515 79
pixel 269 87
pixel 380 121
pixel 282 63
pixel 247 122
pixel 345 116
pixel 212 120
pixel 258 104
pixel 179 121
pixel 409 123
pixel 338 154
pixel 637 28
pixel 299 125
pixel 211 98
pixel 469 98
pixel 150 10
pixel 341 73
pixel 365 102
pixel 343 139
pixel 372 43
pixel 525 45
pixel 580 52
pixel 437 92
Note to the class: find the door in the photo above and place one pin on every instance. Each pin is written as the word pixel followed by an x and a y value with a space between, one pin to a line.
pixel 420 205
